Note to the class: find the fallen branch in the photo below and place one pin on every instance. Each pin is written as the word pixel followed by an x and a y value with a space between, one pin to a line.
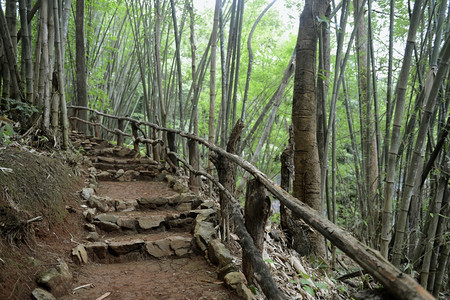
pixel 36 219
pixel 83 286
pixel 103 296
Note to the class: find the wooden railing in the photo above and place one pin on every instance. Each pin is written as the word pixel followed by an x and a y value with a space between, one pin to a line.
pixel 399 284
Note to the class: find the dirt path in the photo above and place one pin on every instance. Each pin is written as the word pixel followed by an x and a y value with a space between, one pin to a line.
pixel 183 278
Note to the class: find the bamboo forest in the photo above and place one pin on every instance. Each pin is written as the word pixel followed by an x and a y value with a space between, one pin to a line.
pixel 286 149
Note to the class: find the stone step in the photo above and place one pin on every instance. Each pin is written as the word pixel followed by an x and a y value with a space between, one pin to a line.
pixel 124 172
pixel 141 161
pixel 137 247
pixel 179 202
pixel 142 221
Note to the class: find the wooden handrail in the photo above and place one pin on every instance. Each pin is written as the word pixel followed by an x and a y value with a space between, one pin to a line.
pixel 396 282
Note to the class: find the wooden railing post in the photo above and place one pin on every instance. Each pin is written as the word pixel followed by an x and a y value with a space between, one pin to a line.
pixel 194 161
pixel 171 142
pixel 134 132
pixel 73 122
pixel 155 148
pixel 287 170
pixel 257 209
pixel 120 137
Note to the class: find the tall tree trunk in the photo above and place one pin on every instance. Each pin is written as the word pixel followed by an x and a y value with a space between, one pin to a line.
pixel 178 60
pixel 212 81
pixel 250 59
pixel 307 184
pixel 60 78
pixel 26 50
pixel 81 65
pixel 400 226
pixel 368 137
pixel 395 136
pixel 10 54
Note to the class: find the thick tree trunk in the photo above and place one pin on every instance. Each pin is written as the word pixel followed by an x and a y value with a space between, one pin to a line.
pixel 307 182
pixel 10 54
pixel 257 209
pixel 226 171
pixel 81 64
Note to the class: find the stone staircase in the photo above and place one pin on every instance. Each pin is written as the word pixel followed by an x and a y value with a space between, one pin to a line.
pixel 135 211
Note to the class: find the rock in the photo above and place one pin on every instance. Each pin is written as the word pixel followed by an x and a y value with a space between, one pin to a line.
pixel 207 204
pixel 183 222
pixel 89 227
pixel 244 292
pixel 129 175
pixel 93 237
pixel 110 160
pixel 95 202
pixel 119 173
pixel 218 254
pixel 184 207
pixel 150 222
pixel 204 232
pixel 97 250
pixel 40 294
pixel 79 254
pixel 106 218
pixel 170 179
pixel 232 279
pixel 124 247
pixel 104 175
pixel 160 248
pixel 183 198
pixel 63 269
pixel 107 226
pixel 231 267
pixel 201 215
pixel 89 214
pixel 127 223
pixel 128 205
pixel 237 281
pixel 123 152
pixel 54 281
pixel 181 245
pixel 180 188
pixel 152 202
pixel 86 193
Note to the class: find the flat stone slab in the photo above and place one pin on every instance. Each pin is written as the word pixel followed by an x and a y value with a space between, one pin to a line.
pixel 124 247
pixel 151 222
pixel 152 202
pixel 106 218
pixel 107 226
pixel 127 223
pixel 172 245
pixel 96 250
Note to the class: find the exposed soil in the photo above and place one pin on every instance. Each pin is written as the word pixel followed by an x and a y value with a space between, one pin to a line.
pixel 34 185
pixel 176 279
pixel 133 189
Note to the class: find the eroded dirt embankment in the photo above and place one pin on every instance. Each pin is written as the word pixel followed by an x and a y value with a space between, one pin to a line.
pixel 37 196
